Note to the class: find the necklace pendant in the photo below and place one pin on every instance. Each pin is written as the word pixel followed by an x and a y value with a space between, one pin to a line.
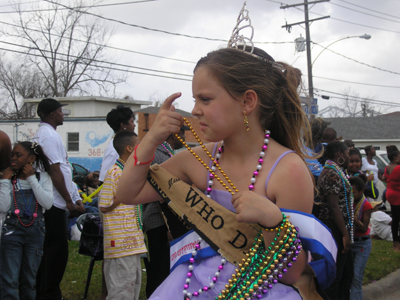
pixel 35 215
pixel 27 214
pixel 16 211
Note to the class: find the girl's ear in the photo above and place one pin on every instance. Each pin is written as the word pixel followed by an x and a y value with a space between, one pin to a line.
pixel 250 101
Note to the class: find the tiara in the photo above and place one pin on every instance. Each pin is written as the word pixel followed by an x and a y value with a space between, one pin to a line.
pixel 240 42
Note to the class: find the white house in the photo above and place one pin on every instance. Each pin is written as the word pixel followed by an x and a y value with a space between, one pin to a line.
pixel 85 132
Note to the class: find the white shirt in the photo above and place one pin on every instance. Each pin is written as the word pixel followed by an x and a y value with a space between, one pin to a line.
pixel 373 168
pixel 50 140
pixel 43 190
pixel 380 225
pixel 110 156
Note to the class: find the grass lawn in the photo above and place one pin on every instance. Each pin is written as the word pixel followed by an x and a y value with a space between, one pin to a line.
pixel 382 261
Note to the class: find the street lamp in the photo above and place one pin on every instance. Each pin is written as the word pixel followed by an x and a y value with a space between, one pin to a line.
pixel 365 36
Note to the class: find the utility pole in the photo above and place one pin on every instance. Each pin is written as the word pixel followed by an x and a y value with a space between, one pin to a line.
pixel 307 22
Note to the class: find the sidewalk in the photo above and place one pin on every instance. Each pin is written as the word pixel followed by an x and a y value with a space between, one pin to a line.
pixel 383 287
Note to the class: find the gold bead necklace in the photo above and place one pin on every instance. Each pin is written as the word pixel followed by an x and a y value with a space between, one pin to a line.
pixel 231 187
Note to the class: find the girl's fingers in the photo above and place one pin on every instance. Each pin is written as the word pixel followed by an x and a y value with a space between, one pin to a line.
pixel 167 105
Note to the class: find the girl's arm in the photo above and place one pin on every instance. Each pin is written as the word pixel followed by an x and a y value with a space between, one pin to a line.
pixel 133 187
pixel 333 203
pixel 42 189
pixel 363 226
pixel 5 195
pixel 294 191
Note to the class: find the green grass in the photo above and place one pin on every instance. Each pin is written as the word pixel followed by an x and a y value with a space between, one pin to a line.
pixel 74 281
pixel 382 261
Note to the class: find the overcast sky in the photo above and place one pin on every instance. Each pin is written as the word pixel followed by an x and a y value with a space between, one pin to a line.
pixel 216 19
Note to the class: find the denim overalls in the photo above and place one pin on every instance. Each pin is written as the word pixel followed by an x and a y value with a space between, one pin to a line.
pixel 21 248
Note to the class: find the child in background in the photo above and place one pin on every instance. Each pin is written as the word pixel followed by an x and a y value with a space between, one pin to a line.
pixel 361 247
pixel 92 183
pixel 24 196
pixel 354 169
pixel 123 236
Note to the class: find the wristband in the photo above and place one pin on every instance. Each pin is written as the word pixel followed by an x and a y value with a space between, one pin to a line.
pixel 137 162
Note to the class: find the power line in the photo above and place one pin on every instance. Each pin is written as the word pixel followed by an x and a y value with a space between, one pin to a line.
pixel 106 46
pixel 365 64
pixel 362 83
pixel 360 98
pixel 358 24
pixel 375 11
pixel 157 30
pixel 90 6
pixel 105 67
pixel 98 61
pixel 361 12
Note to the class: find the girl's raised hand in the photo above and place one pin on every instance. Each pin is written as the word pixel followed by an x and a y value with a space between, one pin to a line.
pixel 253 208
pixel 167 121
pixel 28 170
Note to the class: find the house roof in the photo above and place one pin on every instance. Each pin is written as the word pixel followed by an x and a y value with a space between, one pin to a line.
pixel 154 110
pixel 374 128
pixel 93 98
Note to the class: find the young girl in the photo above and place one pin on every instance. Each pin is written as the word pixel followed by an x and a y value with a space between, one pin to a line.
pixel 361 247
pixel 24 195
pixel 354 169
pixel 248 108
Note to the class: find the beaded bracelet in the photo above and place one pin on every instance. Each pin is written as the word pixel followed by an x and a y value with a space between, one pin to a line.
pixel 264 266
pixel 137 162
pixel 276 227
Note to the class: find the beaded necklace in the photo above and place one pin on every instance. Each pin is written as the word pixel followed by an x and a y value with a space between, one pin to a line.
pixel 168 147
pixel 139 210
pixel 26 212
pixel 262 268
pixel 329 164
pixel 255 173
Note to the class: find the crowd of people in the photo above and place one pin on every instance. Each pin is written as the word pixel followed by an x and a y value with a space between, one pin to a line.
pixel 270 207
pixel 348 204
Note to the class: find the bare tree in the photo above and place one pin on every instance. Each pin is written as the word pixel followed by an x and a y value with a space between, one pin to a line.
pixel 353 106
pixel 66 46
pixel 18 82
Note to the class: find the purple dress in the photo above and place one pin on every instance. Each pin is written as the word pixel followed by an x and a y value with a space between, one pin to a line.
pixel 204 270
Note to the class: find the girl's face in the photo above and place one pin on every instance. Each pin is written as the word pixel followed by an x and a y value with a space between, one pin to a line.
pixel 20 157
pixel 354 164
pixel 219 115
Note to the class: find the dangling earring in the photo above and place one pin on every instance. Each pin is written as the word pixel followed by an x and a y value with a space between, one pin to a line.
pixel 31 163
pixel 124 128
pixel 341 162
pixel 245 121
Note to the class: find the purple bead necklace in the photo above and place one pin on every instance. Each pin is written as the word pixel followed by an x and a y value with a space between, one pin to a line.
pixel 255 173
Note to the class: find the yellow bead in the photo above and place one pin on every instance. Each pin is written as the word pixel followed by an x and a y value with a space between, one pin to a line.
pixel 246 295
pixel 252 278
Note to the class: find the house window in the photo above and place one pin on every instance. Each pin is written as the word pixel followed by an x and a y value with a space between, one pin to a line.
pixel 73 141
